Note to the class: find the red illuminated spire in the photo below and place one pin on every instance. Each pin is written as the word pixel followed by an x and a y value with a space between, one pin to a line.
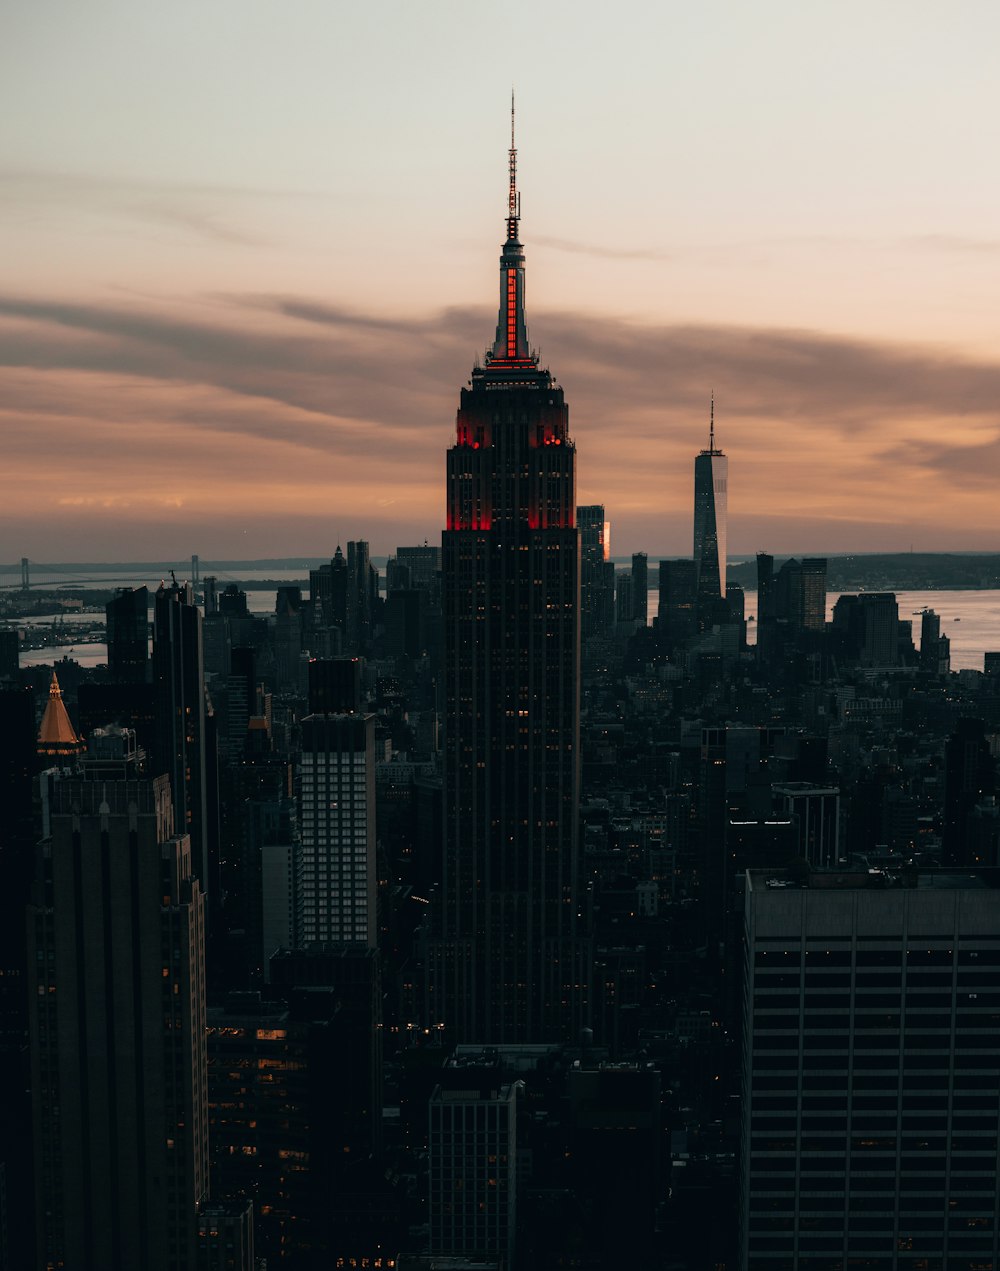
pixel 511 351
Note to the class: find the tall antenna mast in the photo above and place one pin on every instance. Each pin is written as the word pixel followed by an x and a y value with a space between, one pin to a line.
pixel 711 424
pixel 513 198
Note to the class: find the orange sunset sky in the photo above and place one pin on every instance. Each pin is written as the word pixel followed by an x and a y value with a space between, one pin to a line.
pixel 251 251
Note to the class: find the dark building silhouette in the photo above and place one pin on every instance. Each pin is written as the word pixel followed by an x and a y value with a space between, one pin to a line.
pixel 334 998
pixel 640 587
pixel 127 615
pixel 179 685
pixel 935 648
pixel 334 686
pixel 869 1078
pixel 10 647
pixel 798 596
pixel 18 763
pixel 676 614
pixel 287 638
pixel 473 1171
pixel 422 563
pixel 117 993
pixel 505 959
pixel 969 776
pixel 362 597
pixel 225 1236
pixel 129 705
pixel 404 621
pixel 711 479
pixel 614 1153
pixel 597 571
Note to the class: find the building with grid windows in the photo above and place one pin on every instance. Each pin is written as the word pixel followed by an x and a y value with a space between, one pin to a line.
pixel 473 1160
pixel 871 1071
pixel 116 987
pixel 711 481
pixel 506 959
pixel 335 874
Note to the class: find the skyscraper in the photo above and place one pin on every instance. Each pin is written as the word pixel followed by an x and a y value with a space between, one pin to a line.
pixel 179 686
pixel 640 587
pixel 505 960
pixel 117 1013
pixel 336 870
pixel 128 634
pixel 711 476
pixel 473 1171
pixel 870 1070
pixel 597 571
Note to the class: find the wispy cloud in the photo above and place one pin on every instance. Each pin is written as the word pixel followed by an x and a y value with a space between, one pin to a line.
pixel 601 249
pixel 957 243
pixel 313 406
pixel 212 212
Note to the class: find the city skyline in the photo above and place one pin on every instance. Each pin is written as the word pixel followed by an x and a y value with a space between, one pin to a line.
pixel 220 330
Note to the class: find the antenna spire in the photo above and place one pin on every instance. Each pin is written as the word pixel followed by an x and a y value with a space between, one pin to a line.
pixel 513 198
pixel 711 423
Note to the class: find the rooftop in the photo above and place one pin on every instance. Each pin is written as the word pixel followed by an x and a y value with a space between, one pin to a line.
pixel 873 879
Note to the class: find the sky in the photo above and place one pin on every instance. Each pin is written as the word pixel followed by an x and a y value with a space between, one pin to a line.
pixel 251 248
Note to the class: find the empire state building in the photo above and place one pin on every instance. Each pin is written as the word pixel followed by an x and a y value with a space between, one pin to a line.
pixel 506 960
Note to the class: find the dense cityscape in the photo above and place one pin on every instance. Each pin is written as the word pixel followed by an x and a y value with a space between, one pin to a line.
pixel 471 914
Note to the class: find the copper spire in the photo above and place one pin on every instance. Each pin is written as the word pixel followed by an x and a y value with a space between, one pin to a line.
pixel 56 736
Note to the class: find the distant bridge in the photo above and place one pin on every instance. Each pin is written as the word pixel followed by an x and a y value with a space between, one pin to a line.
pixel 26 576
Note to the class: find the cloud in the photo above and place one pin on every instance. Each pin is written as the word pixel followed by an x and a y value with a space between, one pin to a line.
pixel 285 411
pixel 210 212
pixel 601 249
pixel 957 243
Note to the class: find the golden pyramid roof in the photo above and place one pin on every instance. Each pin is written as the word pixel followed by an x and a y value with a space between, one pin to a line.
pixel 56 735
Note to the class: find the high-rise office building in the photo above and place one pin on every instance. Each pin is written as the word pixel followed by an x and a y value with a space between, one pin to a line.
pixel 505 960
pixel 597 571
pixel 473 1172
pixel 128 635
pixel 640 587
pixel 816 812
pixel 10 652
pixel 18 836
pixel 871 1070
pixel 179 687
pixel 970 775
pixel 117 1021
pixel 362 597
pixel 335 875
pixel 676 618
pixel 711 479
pixel 935 648
pixel 225 1236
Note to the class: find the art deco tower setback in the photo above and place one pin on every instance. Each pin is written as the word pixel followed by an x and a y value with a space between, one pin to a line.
pixel 505 962
pixel 711 477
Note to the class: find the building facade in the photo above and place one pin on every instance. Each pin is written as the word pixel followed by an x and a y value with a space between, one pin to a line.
pixel 711 483
pixel 117 1023
pixel 128 635
pixel 871 1070
pixel 504 959
pixel 335 876
pixel 473 1172
pixel 179 689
